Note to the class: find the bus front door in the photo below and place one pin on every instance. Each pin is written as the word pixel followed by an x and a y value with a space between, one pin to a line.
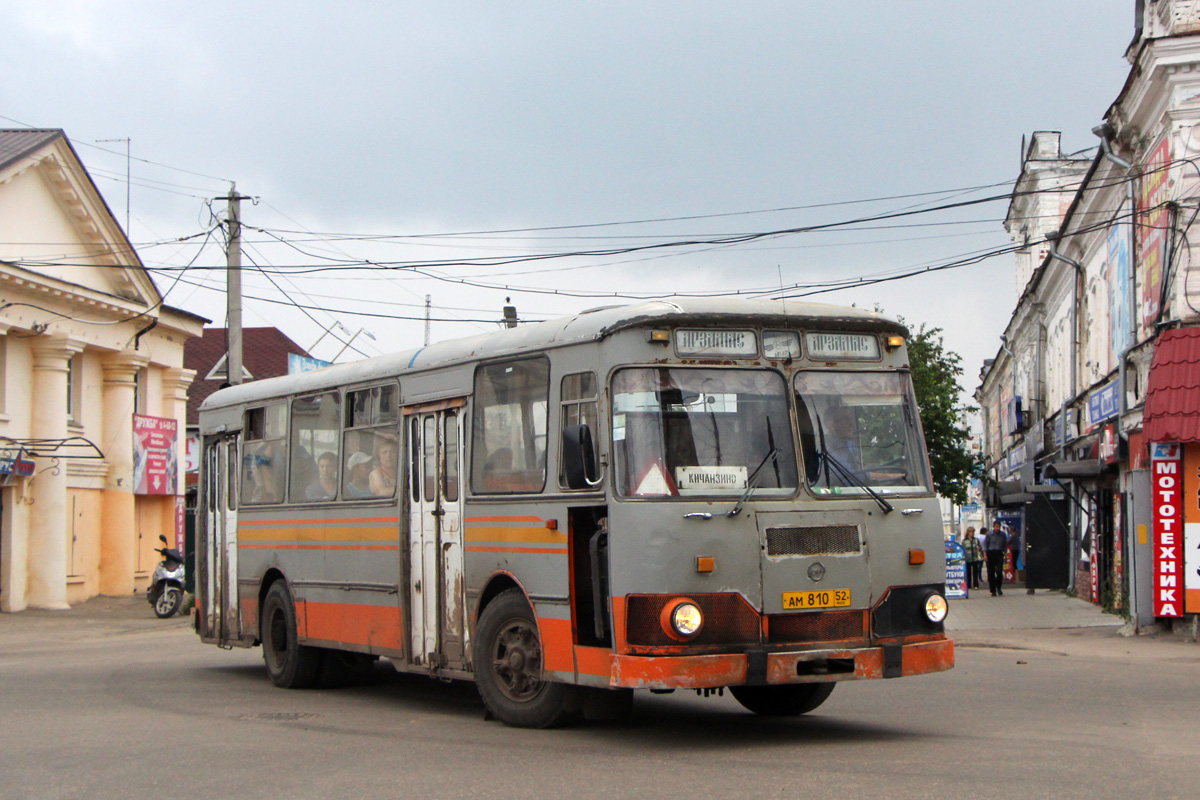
pixel 438 635
pixel 216 565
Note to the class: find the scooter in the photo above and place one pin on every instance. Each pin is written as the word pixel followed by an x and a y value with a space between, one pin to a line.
pixel 166 587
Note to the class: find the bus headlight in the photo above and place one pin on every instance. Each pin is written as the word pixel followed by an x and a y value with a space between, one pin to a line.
pixel 681 619
pixel 936 608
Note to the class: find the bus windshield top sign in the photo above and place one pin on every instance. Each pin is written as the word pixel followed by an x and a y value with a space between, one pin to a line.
pixel 842 346
pixel 743 344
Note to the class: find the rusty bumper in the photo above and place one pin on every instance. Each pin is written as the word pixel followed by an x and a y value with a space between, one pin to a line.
pixel 763 668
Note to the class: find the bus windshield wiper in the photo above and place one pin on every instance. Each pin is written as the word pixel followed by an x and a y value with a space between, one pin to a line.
pixel 751 482
pixel 846 474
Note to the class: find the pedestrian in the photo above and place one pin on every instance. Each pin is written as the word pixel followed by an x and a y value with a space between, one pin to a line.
pixel 974 556
pixel 995 546
pixel 1014 549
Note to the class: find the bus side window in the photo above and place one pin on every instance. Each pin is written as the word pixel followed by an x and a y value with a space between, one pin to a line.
pixel 578 407
pixel 508 432
pixel 264 454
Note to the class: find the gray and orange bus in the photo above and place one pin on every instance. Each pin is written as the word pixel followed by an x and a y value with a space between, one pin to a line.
pixel 699 494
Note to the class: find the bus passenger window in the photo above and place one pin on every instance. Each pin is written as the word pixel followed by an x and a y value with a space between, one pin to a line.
pixel 370 424
pixel 508 432
pixel 579 407
pixel 450 489
pixel 264 455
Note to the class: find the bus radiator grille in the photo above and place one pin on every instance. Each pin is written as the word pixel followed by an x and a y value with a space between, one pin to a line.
pixel 823 540
pixel 728 619
pixel 827 626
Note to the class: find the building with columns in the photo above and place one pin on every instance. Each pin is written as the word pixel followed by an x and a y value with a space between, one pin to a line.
pixel 93 394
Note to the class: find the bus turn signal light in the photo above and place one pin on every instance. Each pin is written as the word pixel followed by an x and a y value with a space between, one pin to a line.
pixel 661 337
pixel 916 556
pixel 705 563
pixel 894 341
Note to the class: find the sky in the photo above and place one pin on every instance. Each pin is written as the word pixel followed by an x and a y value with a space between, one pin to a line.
pixel 563 156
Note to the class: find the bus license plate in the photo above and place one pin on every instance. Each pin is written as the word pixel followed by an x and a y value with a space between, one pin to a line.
pixel 827 598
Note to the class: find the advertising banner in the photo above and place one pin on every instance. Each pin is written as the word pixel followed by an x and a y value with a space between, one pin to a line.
pixel 956 569
pixel 1167 476
pixel 1191 528
pixel 1152 227
pixel 155 459
pixel 1119 299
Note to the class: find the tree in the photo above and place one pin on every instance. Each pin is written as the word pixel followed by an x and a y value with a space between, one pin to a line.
pixel 935 374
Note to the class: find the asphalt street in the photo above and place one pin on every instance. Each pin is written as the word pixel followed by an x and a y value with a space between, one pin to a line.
pixel 107 701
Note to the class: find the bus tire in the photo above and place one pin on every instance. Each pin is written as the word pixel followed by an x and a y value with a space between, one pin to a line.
pixel 290 665
pixel 507 655
pixel 789 700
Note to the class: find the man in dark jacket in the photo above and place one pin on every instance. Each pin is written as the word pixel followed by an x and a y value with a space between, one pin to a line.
pixel 994 546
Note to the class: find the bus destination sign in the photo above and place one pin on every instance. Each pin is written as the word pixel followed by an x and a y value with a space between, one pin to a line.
pixel 736 344
pixel 842 346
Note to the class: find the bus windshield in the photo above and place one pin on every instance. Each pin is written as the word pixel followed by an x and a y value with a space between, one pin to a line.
pixel 690 432
pixel 859 429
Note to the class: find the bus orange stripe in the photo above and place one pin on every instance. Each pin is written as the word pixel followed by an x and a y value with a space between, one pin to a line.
pixel 311 521
pixel 318 547
pixel 552 550
pixel 354 623
pixel 504 519
pixel 593 661
pixel 557 650
pixel 480 533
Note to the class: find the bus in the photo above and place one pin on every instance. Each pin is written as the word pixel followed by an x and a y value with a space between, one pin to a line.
pixel 690 494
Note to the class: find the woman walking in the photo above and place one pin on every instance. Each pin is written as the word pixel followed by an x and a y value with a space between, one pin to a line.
pixel 974 554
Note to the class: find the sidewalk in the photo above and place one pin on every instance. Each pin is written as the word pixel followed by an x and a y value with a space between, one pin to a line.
pixel 1016 609
pixel 99 616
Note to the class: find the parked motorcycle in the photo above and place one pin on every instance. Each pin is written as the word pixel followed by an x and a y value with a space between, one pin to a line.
pixel 166 587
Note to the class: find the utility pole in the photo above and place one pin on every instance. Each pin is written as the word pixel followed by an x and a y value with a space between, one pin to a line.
pixel 233 290
pixel 428 298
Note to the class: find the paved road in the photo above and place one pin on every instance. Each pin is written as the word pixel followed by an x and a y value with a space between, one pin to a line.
pixel 106 702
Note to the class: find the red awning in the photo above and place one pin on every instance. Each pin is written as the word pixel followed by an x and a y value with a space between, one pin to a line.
pixel 1172 411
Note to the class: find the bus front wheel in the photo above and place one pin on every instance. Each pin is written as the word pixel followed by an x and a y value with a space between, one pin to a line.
pixel 790 700
pixel 507 654
pixel 290 664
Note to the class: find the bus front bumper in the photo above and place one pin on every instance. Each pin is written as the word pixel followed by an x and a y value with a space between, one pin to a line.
pixel 760 668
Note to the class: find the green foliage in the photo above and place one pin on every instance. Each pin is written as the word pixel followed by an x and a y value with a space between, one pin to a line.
pixel 935 373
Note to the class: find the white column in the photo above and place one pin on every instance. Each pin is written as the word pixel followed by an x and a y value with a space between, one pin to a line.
pixel 47 587
pixel 118 527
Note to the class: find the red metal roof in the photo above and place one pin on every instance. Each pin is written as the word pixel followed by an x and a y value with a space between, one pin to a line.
pixel 1172 411
pixel 264 355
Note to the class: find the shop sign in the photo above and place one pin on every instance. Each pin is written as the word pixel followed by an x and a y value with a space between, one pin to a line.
pixel 180 522
pixel 1167 476
pixel 191 458
pixel 1103 403
pixel 155 461
pixel 298 364
pixel 1016 458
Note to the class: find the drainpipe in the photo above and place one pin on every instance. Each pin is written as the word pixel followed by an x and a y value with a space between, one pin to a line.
pixel 1078 271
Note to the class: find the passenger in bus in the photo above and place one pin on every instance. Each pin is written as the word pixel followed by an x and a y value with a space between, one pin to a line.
pixel 267 481
pixel 840 443
pixel 383 477
pixel 325 485
pixel 358 481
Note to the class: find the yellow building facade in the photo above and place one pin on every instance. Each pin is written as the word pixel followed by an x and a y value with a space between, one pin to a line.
pixel 86 346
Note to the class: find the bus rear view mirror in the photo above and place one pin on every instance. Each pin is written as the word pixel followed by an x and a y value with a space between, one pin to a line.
pixel 579 457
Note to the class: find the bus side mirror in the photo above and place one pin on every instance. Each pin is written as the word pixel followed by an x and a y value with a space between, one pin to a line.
pixel 579 457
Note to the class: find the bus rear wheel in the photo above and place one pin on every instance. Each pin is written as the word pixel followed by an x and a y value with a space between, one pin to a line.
pixel 507 654
pixel 290 664
pixel 790 700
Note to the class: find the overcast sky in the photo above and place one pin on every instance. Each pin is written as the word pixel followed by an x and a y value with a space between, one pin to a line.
pixel 401 132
